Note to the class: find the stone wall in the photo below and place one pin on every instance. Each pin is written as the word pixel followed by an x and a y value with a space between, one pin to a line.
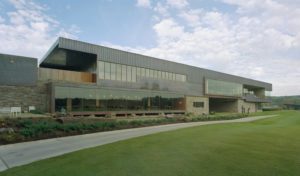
pixel 25 96
pixel 247 106
pixel 196 110
pixel 228 105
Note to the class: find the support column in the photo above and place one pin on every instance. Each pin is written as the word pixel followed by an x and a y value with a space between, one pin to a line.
pixel 148 103
pixel 69 104
pixel 97 104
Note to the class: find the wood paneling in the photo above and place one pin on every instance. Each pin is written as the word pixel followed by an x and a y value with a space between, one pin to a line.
pixel 64 75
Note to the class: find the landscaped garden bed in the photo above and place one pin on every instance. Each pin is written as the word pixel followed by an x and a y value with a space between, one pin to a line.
pixel 28 129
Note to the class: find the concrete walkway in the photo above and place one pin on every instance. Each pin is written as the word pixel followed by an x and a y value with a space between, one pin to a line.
pixel 23 153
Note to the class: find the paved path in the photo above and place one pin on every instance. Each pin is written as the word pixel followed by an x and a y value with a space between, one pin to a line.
pixel 23 153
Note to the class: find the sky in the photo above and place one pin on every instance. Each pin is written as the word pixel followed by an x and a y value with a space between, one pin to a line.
pixel 257 39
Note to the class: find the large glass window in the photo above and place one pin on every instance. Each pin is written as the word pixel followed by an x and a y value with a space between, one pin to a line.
pixel 147 72
pixel 113 71
pixel 142 71
pixel 173 76
pixel 101 69
pixel 133 74
pixel 138 71
pixel 178 77
pixel 151 73
pixel 267 93
pixel 123 72
pixel 163 76
pixel 155 74
pixel 95 99
pixel 107 70
pixel 216 87
pixel 159 75
pixel 118 72
pixel 169 76
pixel 129 73
pixel 184 78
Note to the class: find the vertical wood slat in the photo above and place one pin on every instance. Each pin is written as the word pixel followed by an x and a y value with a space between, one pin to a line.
pixel 64 75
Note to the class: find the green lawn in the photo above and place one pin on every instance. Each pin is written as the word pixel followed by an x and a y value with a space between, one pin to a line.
pixel 265 147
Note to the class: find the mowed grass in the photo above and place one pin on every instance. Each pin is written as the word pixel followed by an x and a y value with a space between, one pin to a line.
pixel 265 147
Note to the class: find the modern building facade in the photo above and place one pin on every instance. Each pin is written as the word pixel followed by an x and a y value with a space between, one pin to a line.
pixel 81 77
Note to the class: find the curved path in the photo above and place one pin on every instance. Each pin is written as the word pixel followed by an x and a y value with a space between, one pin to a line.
pixel 23 153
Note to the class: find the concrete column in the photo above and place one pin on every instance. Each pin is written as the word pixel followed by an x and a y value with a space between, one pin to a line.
pixel 97 103
pixel 69 104
pixel 148 103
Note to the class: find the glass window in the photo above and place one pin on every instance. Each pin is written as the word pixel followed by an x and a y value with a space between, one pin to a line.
pixel 173 76
pixel 138 71
pixel 159 75
pixel 267 93
pixel 101 69
pixel 142 71
pixel 123 72
pixel 216 87
pixel 107 70
pixel 118 72
pixel 113 71
pixel 177 77
pixel 198 104
pixel 155 74
pixel 169 76
pixel 133 74
pixel 184 78
pixel 95 99
pixel 129 73
pixel 163 75
pixel 147 72
pixel 151 73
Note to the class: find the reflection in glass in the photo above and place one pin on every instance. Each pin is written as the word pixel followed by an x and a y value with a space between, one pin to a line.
pixel 123 72
pixel 216 87
pixel 133 74
pixel 107 70
pixel 118 72
pixel 101 69
pixel 93 99
pixel 113 71
pixel 129 73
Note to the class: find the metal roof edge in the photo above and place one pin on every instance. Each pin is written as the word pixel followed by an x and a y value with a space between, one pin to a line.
pixel 49 50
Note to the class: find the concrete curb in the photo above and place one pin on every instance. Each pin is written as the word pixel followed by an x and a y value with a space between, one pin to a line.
pixel 3 165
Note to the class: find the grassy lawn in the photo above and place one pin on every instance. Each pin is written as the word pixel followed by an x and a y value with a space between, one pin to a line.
pixel 265 147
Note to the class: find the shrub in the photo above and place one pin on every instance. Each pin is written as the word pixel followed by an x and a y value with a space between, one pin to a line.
pixel 26 132
pixel 36 112
pixel 8 137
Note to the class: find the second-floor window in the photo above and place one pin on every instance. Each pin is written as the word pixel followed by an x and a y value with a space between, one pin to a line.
pixel 120 72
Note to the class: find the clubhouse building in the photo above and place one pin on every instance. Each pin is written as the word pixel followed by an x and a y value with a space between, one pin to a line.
pixel 86 79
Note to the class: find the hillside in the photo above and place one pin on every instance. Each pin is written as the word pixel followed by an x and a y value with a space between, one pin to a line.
pixel 280 100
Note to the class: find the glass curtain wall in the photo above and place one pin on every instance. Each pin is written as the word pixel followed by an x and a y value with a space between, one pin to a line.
pixel 216 87
pixel 120 72
pixel 92 99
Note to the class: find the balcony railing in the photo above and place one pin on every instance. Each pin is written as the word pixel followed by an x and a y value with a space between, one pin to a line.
pixel 253 98
pixel 65 75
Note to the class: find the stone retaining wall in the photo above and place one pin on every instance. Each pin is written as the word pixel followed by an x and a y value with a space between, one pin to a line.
pixel 25 96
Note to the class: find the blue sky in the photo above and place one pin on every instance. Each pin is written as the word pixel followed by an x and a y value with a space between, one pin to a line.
pixel 258 39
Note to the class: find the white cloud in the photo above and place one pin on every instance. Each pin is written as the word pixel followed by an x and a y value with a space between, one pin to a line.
pixel 161 9
pixel 143 3
pixel 29 31
pixel 192 17
pixel 260 40
pixel 2 19
pixel 178 3
pixel 168 29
